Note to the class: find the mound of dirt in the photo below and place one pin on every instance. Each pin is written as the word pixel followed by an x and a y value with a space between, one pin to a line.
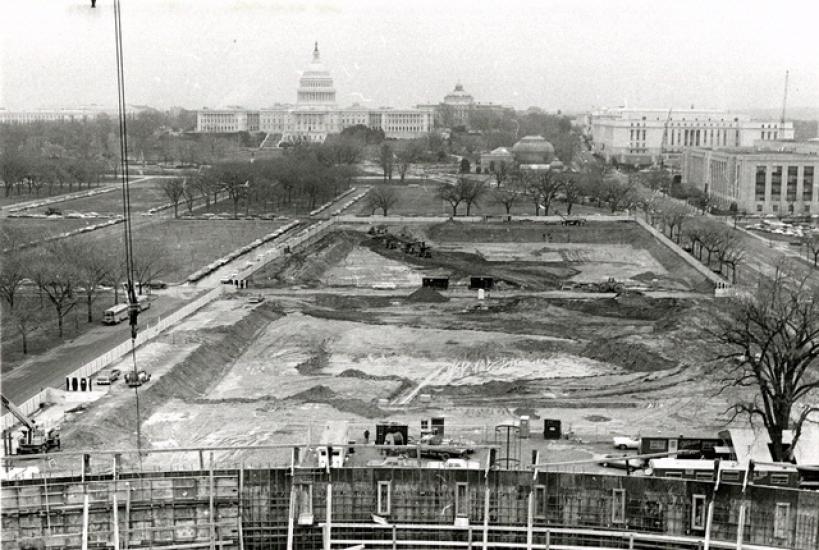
pixel 426 295
pixel 323 394
pixel 629 355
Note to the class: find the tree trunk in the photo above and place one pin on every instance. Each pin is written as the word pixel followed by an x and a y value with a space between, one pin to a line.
pixel 175 210
pixel 60 324
pixel 89 301
pixel 569 208
pixel 454 210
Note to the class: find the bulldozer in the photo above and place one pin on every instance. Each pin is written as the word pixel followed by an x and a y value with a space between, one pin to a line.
pixel 611 285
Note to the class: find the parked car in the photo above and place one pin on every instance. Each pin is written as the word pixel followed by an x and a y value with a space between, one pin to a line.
pixel 626 442
pixel 623 462
pixel 107 377
pixel 229 280
pixel 137 379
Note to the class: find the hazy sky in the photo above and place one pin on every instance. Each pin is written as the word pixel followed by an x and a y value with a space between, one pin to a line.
pixel 569 55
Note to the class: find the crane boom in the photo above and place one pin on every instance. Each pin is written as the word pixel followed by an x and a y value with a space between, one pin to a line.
pixel 18 414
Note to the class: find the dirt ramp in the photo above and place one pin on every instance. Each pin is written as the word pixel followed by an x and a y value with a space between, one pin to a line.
pixel 188 380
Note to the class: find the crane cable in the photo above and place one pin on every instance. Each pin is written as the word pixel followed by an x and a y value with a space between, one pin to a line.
pixel 133 306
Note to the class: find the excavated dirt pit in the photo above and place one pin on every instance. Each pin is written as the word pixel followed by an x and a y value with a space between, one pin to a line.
pixel 238 374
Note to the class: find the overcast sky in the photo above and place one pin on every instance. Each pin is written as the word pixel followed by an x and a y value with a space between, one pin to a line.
pixel 570 55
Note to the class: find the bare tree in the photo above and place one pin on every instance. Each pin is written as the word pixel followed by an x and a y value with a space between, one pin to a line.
pixel 92 271
pixel 811 242
pixel 507 196
pixel 383 197
pixel 189 193
pixel 53 269
pixel 771 340
pixel 501 171
pixel 618 191
pixel 573 190
pixel 150 263
pixel 542 187
pixel 450 194
pixel 13 267
pixel 472 192
pixel 409 154
pixel 173 189
pixel 386 158
pixel 26 316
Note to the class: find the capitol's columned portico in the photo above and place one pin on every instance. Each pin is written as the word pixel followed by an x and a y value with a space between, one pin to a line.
pixel 316 114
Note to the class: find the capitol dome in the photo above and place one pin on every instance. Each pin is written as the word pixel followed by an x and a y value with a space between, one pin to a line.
pixel 316 84
pixel 533 150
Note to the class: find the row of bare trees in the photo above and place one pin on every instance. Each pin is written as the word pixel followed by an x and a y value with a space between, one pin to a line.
pixel 306 174
pixel 59 276
pixel 712 242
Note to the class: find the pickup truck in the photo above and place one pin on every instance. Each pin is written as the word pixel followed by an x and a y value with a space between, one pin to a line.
pixel 443 449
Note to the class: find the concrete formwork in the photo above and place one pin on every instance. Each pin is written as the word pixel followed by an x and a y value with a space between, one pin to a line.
pixel 258 508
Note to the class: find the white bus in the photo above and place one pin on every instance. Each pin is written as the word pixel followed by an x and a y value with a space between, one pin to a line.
pixel 114 315
pixel 119 312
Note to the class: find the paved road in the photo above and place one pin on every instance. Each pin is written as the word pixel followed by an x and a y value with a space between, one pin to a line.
pixel 51 368
pixel 471 294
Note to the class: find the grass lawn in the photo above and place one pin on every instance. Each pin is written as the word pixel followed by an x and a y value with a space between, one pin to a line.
pixel 420 200
pixel 38 228
pixel 144 195
pixel 187 244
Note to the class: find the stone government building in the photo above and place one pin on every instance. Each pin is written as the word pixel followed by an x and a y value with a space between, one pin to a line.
pixel 316 113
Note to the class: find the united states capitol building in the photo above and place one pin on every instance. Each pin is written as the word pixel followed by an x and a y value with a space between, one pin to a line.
pixel 316 114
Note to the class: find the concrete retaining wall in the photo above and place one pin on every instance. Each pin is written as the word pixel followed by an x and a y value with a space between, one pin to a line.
pixel 718 281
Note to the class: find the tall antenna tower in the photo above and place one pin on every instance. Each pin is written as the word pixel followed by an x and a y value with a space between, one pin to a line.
pixel 784 102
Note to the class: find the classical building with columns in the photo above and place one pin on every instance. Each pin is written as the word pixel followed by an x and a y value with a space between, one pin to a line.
pixel 780 178
pixel 316 113
pixel 638 136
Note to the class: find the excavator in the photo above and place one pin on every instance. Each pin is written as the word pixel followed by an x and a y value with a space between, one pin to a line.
pixel 35 440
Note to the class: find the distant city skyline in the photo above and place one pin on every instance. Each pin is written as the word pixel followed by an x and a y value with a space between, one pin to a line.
pixel 556 55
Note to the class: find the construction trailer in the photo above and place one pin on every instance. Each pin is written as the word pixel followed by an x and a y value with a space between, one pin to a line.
pixel 438 282
pixel 35 440
pixel 552 428
pixel 729 471
pixel 695 447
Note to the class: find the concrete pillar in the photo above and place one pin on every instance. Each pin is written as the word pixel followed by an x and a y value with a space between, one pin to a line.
pixel 328 522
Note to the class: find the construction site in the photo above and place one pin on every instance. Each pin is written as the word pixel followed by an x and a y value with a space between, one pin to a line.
pixel 410 384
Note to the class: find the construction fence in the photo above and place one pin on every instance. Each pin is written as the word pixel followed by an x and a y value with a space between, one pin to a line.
pixel 89 369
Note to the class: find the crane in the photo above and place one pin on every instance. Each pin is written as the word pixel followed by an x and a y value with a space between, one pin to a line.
pixel 34 440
